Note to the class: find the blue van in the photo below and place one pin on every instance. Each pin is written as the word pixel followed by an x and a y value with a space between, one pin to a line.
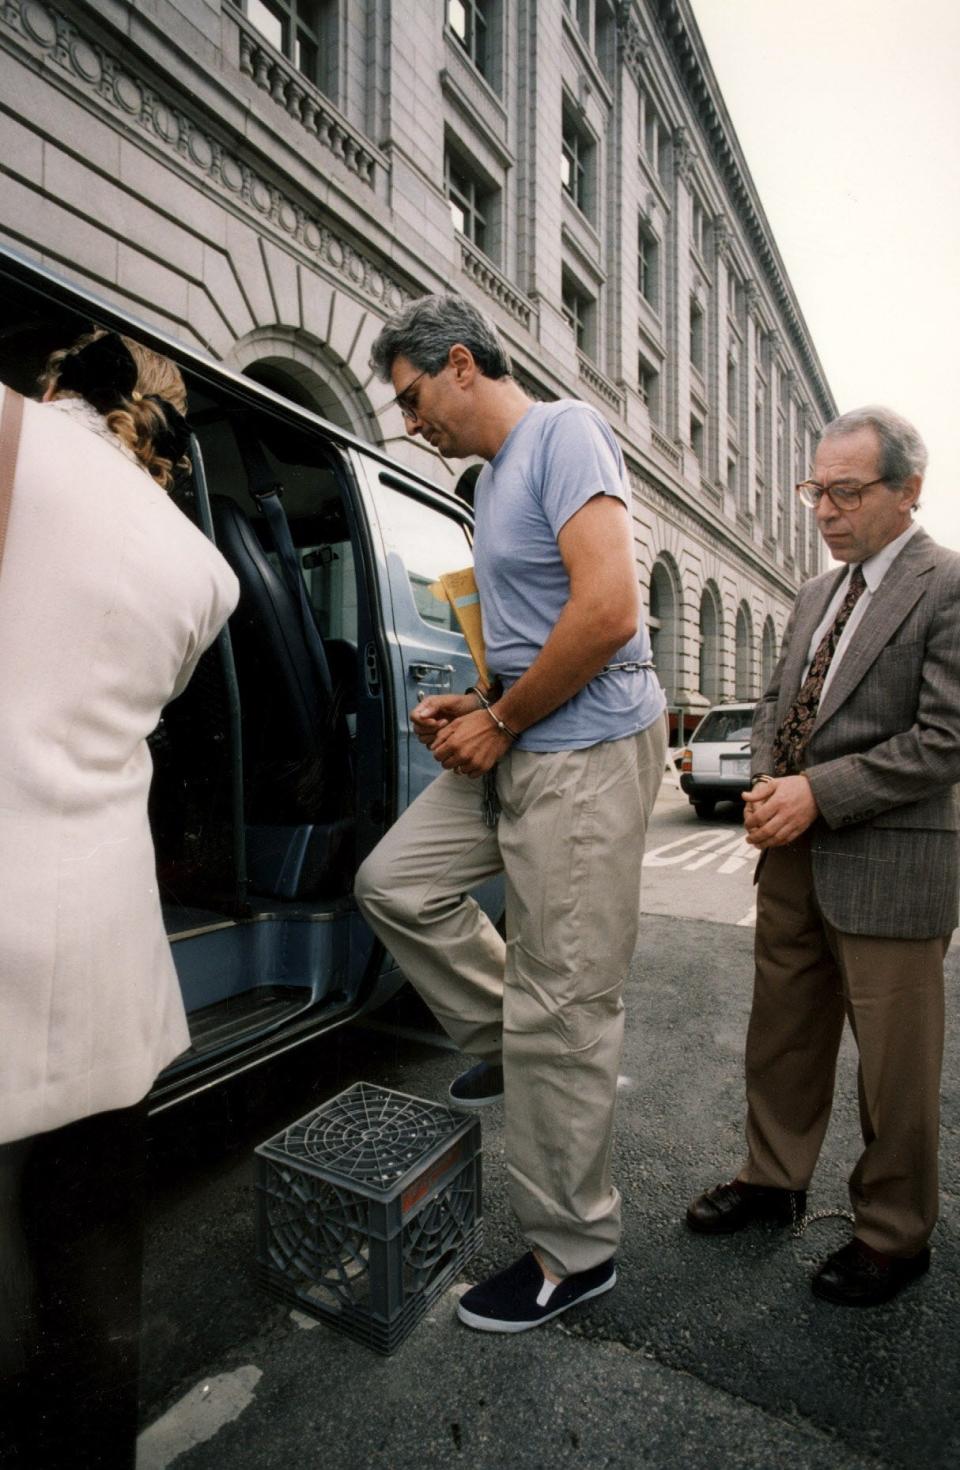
pixel 291 751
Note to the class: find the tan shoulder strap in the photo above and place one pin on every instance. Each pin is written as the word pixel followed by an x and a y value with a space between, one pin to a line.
pixel 10 422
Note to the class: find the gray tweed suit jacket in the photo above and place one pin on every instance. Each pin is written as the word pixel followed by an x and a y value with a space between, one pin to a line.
pixel 885 749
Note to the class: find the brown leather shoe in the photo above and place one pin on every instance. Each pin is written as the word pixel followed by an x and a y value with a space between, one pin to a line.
pixel 729 1207
pixel 858 1276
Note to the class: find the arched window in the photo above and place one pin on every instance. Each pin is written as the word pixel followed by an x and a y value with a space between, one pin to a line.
pixel 709 678
pixel 663 622
pixel 768 653
pixel 743 672
pixel 304 386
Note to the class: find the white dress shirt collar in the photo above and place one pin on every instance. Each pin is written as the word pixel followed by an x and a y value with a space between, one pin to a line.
pixel 876 567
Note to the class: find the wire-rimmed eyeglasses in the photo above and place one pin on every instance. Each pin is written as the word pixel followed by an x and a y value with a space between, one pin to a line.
pixel 402 400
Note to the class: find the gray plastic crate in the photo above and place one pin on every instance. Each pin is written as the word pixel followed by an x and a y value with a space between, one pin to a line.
pixel 367 1209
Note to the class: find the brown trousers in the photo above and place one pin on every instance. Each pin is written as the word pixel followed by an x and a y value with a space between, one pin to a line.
pixel 808 977
pixel 570 841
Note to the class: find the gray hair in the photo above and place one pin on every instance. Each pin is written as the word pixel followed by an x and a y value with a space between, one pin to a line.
pixel 424 332
pixel 902 451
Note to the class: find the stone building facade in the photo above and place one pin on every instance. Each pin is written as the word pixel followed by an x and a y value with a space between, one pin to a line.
pixel 266 179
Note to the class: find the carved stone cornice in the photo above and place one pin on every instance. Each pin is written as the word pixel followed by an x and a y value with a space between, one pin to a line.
pixel 111 82
pixel 676 28
pixel 632 43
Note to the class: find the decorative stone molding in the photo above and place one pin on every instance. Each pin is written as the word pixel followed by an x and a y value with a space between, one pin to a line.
pixel 305 104
pixel 484 274
pixel 684 155
pixel 632 43
pixel 670 507
pixel 648 206
pixel 663 445
pixel 722 236
pixel 594 379
pixel 754 301
pixel 112 82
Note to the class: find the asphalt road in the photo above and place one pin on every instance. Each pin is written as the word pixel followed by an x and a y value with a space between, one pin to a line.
pixel 708 1352
pixel 697 869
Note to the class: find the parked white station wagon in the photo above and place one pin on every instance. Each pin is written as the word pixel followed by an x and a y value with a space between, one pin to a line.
pixel 715 766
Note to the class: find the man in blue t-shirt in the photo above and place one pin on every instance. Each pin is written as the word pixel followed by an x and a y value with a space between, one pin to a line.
pixel 572 724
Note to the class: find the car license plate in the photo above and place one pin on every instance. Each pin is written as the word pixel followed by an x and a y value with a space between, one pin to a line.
pixel 735 765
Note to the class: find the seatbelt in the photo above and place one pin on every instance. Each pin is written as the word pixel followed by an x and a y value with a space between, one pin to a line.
pixel 268 494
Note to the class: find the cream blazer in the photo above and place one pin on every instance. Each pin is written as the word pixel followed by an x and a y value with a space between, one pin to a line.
pixel 108 597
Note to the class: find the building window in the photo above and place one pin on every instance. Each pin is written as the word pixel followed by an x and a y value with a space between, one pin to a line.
pixel 698 227
pixel 733 295
pixel 696 436
pixel 578 311
pixel 760 433
pixel 605 39
pixel 768 652
pixel 733 390
pixel 697 350
pixel 743 662
pixel 648 386
pixel 709 675
pixel 664 622
pixel 580 11
pixel 733 475
pixel 648 265
pixel 576 165
pixel 468 20
pixel 470 200
pixel 293 27
pixel 651 134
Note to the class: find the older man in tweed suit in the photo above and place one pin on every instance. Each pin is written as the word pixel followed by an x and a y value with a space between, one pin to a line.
pixel 856 746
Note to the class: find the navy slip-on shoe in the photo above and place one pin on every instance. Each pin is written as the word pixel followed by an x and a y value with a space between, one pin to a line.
pixel 478 1088
pixel 521 1297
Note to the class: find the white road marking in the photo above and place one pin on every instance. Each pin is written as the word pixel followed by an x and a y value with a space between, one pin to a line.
pixel 718 852
pixel 739 859
pixel 197 1417
pixel 748 919
pixel 694 842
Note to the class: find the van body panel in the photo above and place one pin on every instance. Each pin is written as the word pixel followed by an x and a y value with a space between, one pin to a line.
pixel 273 780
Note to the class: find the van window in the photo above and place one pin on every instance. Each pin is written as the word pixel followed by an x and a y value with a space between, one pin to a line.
pixel 428 542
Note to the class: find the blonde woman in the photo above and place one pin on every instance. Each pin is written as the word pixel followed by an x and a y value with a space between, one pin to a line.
pixel 108 597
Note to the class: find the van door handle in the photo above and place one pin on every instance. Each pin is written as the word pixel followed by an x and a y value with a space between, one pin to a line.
pixel 436 677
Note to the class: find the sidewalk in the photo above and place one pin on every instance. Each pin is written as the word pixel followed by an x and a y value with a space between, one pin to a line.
pixel 708 1352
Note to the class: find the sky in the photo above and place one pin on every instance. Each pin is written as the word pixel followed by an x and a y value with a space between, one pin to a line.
pixel 848 114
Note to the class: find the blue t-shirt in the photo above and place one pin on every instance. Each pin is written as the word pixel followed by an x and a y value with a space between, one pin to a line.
pixel 559 456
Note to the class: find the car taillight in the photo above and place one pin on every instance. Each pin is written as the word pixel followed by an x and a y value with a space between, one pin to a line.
pixel 686 761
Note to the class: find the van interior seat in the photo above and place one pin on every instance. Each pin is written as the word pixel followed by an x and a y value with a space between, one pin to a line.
pixel 296 758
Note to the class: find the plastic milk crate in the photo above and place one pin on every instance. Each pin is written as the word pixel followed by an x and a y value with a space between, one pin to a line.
pixel 367 1209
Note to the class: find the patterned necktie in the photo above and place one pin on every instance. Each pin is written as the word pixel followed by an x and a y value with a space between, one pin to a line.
pixel 791 739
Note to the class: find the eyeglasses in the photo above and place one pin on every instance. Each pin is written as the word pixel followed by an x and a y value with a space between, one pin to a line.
pixel 402 400
pixel 845 495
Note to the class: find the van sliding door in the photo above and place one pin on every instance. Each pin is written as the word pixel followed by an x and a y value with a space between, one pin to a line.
pixel 421 536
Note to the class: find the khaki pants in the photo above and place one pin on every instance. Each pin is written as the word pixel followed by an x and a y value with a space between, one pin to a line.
pixel 809 976
pixel 570 842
